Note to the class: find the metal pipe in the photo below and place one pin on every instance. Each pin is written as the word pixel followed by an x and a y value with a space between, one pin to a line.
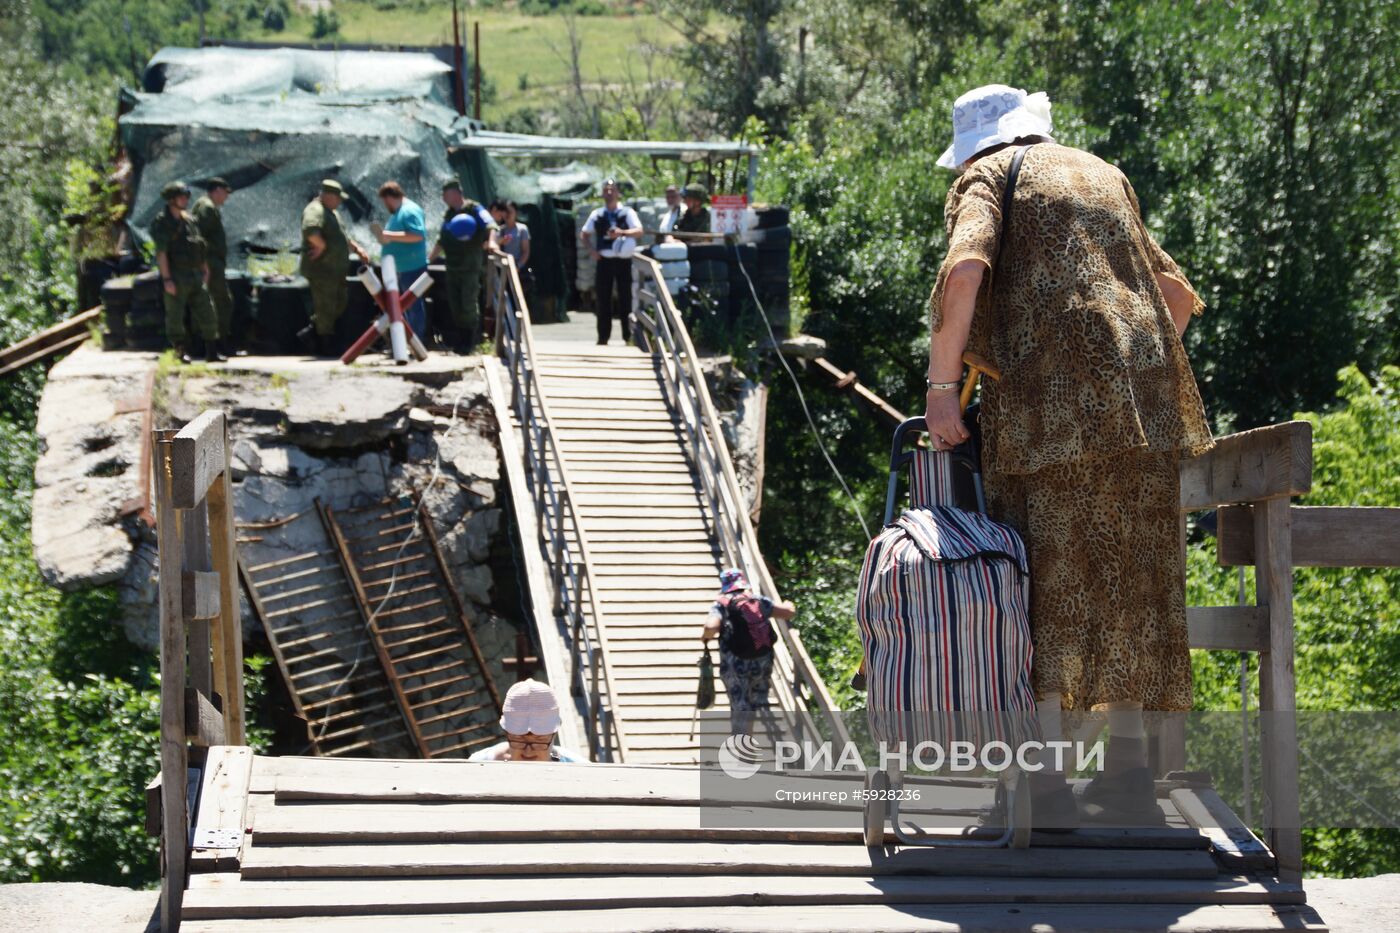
pixel 370 280
pixel 398 337
pixel 476 65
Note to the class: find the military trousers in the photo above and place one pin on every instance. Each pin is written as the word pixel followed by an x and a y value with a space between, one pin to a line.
pixel 463 298
pixel 328 297
pixel 222 300
pixel 192 298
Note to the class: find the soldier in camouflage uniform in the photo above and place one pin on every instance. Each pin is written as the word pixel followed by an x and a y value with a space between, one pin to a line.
pixel 465 260
pixel 180 254
pixel 325 261
pixel 207 213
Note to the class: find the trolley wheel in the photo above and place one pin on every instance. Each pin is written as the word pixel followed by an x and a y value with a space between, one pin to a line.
pixel 877 783
pixel 1018 806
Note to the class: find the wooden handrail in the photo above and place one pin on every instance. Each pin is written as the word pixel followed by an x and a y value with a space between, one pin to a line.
pixel 573 579
pixel 1261 470
pixel 664 334
pixel 201 636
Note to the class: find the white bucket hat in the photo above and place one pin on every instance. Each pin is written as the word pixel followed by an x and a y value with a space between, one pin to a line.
pixel 530 706
pixel 991 115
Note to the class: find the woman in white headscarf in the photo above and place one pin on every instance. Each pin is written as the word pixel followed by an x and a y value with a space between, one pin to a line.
pixel 1082 313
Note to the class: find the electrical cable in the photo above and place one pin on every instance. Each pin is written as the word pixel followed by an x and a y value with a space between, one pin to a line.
pixel 801 398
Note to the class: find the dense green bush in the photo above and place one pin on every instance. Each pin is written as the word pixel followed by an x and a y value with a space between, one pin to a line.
pixel 78 735
pixel 325 24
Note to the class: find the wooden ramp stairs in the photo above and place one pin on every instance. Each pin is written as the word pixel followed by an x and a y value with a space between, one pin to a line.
pixel 372 637
pixel 617 459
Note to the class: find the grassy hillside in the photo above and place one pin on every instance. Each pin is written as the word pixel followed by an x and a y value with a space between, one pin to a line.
pixel 525 57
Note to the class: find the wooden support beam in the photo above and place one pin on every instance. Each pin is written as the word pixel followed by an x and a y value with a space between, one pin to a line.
pixel 1324 536
pixel 200 596
pixel 1228 628
pixel 174 758
pixel 43 353
pixel 1265 463
pixel 1273 536
pixel 1234 844
pixel 204 723
pixel 153 809
pixel 194 543
pixel 65 335
pixel 197 458
pixel 227 630
pixel 849 382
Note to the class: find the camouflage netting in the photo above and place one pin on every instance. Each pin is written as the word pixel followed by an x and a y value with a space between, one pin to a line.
pixel 274 122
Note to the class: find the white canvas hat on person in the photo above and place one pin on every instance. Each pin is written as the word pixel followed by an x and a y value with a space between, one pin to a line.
pixel 530 706
pixel 994 114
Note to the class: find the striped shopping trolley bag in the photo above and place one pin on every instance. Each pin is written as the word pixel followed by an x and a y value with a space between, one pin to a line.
pixel 943 610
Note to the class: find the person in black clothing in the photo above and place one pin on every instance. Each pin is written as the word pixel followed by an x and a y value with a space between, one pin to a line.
pixel 611 237
pixel 696 218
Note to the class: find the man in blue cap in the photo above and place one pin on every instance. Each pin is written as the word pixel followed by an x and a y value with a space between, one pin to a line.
pixel 464 260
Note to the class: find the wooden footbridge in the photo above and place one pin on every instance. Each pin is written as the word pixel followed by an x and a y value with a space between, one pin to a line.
pixel 628 504
pixel 619 466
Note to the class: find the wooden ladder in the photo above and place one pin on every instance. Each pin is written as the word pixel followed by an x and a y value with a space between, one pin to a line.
pixel 418 624
pixel 308 610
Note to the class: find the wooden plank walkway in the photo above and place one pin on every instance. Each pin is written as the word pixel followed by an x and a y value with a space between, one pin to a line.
pixel 655 554
pixel 448 845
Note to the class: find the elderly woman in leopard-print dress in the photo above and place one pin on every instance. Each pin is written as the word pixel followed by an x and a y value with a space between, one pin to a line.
pixel 1082 313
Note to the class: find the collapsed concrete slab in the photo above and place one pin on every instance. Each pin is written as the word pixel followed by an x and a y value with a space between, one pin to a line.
pixel 301 431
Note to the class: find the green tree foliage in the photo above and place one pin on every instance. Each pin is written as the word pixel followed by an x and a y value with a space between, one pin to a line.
pixel 78 738
pixel 325 24
pixel 737 63
pixel 117 37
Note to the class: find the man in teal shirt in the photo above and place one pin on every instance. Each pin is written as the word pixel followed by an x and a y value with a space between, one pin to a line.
pixel 405 238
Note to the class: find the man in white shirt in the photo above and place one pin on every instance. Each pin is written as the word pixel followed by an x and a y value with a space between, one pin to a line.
pixel 674 209
pixel 611 237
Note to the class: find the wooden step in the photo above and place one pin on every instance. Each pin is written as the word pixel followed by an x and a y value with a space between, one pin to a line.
pixel 709 858
pixel 213 896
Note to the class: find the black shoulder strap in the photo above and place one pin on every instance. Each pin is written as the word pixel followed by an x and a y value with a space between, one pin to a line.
pixel 1008 196
pixel 1007 199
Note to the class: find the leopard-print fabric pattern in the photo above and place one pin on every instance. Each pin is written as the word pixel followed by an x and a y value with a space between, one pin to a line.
pixel 1090 361
pixel 1108 578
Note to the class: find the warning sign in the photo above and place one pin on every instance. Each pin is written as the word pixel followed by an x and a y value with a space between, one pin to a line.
pixel 727 212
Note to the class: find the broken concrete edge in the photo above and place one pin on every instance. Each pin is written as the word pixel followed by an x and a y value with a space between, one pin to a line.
pixel 287 433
